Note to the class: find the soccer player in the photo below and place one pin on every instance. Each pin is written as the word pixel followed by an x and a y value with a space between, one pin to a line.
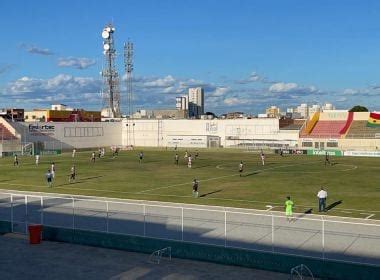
pixel 289 209
pixel 189 160
pixel 195 188
pixel 99 152
pixel 196 154
pixel 186 155
pixel 241 167
pixel 74 152
pixel 176 157
pixel 281 153
pixel 327 159
pixel 141 156
pixel 49 178
pixel 262 156
pixel 37 160
pixel 52 170
pixel 72 174
pixel 15 161
pixel 103 152
pixel 93 157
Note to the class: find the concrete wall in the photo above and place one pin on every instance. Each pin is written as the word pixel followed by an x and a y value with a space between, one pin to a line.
pixel 361 116
pixel 224 255
pixel 359 144
pixel 333 116
pixel 71 134
pixel 231 132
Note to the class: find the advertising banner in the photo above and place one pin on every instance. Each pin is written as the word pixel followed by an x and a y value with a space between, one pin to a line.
pixel 50 152
pixel 291 151
pixel 362 153
pixel 323 152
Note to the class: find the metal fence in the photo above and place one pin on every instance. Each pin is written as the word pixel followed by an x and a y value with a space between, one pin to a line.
pixel 315 237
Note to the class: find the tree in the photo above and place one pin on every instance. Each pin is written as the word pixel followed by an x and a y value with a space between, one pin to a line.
pixel 358 108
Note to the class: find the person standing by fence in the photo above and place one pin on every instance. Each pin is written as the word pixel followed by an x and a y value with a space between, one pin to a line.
pixel 289 209
pixel 322 196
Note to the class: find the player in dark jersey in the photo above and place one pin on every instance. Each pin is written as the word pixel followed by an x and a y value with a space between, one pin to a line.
pixel 241 167
pixel 141 156
pixel 176 158
pixel 73 174
pixel 195 188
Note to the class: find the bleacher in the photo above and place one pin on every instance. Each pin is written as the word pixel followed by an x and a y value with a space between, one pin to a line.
pixel 359 129
pixel 327 129
pixel 5 134
pixel 291 124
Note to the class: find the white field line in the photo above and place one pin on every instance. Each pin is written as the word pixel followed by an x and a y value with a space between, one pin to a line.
pixel 369 216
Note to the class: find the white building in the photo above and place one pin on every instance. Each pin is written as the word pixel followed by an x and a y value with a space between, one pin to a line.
pixel 328 106
pixel 196 102
pixel 182 103
pixel 314 109
pixel 273 112
pixel 303 110
pixel 61 107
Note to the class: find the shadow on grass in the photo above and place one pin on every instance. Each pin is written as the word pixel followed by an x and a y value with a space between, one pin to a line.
pixel 82 180
pixel 306 212
pixel 334 204
pixel 206 194
pixel 250 174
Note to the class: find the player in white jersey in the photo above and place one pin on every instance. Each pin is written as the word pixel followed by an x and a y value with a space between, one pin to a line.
pixel 262 156
pixel 52 170
pixel 189 161
pixel 74 152
pixel 37 160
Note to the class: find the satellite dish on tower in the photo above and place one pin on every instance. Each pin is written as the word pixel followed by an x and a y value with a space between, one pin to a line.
pixel 106 47
pixel 105 34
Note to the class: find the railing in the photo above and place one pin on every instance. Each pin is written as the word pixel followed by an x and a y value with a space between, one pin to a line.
pixel 316 237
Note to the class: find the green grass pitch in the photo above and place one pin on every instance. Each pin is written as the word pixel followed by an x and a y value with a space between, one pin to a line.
pixel 352 180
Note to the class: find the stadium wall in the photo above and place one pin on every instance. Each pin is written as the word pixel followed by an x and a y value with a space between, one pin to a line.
pixel 359 144
pixel 325 269
pixel 160 133
pixel 66 135
pixel 333 115
pixel 361 116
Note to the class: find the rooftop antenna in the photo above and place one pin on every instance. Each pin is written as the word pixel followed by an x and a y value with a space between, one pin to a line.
pixel 111 92
pixel 128 64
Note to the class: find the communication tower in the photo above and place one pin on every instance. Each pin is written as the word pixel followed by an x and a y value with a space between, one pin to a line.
pixel 110 92
pixel 128 64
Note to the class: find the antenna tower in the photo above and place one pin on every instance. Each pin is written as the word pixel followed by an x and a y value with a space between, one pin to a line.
pixel 111 92
pixel 128 64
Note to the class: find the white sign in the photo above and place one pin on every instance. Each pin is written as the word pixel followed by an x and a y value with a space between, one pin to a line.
pixel 362 153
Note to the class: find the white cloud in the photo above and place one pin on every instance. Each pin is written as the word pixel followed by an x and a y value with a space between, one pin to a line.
pixel 253 77
pixel 165 82
pixel 219 91
pixel 283 87
pixel 233 101
pixel 36 50
pixel 76 62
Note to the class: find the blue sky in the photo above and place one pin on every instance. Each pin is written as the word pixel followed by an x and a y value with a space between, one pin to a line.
pixel 247 54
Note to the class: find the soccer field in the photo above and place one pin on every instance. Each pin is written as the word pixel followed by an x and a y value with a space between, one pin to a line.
pixel 352 183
